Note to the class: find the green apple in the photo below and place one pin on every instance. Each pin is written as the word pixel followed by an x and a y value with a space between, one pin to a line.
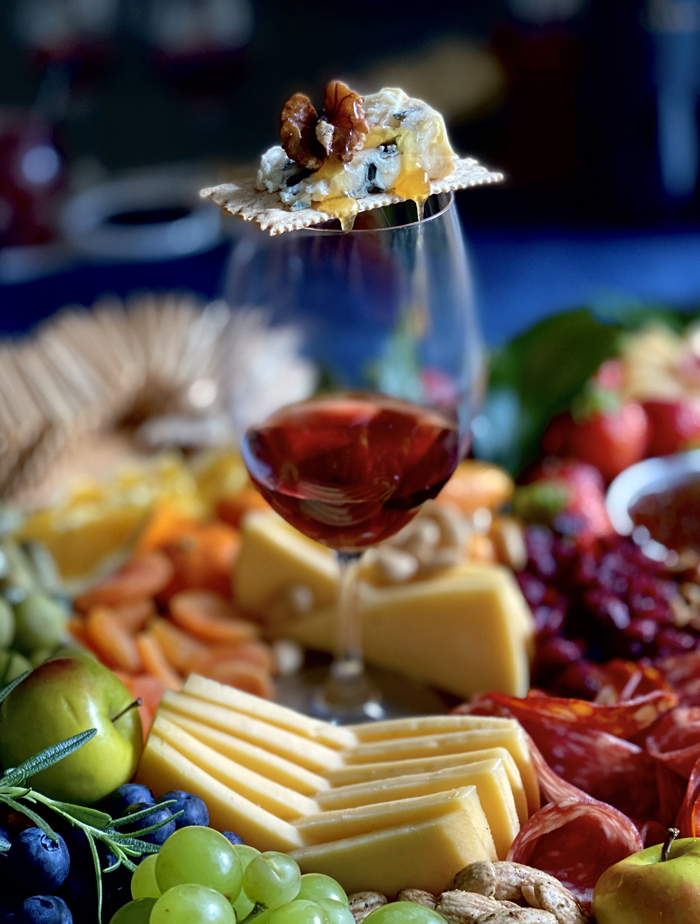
pixel 645 889
pixel 59 699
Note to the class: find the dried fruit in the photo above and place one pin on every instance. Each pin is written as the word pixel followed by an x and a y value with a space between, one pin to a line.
pixel 343 109
pixel 298 121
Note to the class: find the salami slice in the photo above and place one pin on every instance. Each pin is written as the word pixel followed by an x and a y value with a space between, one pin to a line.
pixel 675 740
pixel 576 840
pixel 688 820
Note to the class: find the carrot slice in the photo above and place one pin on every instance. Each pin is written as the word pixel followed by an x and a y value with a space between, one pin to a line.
pixel 111 640
pixel 141 577
pixel 251 651
pixel 203 559
pixel 209 617
pixel 167 523
pixel 179 648
pixel 76 627
pixel 232 508
pixel 134 616
pixel 155 662
pixel 241 674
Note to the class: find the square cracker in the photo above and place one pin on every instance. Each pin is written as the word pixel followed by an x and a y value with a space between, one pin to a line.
pixel 244 200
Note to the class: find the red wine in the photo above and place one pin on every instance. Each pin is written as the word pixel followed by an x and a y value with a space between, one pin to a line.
pixel 351 470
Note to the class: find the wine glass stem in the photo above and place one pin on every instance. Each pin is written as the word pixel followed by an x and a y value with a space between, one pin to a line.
pixel 348 664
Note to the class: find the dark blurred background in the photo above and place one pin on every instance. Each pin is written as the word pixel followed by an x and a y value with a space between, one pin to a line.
pixel 589 106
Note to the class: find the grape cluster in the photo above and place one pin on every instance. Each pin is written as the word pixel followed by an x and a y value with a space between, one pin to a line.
pixel 200 875
pixel 595 603
pixel 47 881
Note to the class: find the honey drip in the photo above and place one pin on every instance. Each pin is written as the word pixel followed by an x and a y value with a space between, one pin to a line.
pixel 341 207
pixel 413 184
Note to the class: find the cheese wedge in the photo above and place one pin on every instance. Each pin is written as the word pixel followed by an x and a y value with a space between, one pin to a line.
pixel 282 717
pixel 268 794
pixel 255 758
pixel 425 855
pixel 163 768
pixel 415 726
pixel 306 753
pixel 489 777
pixel 512 738
pixel 365 819
pixel 274 558
pixel 465 631
pixel 365 773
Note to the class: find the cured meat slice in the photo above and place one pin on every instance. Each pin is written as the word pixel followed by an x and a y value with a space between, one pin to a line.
pixel 688 820
pixel 675 740
pixel 576 840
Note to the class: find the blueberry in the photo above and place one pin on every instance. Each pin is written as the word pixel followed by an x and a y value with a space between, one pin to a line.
pixel 194 811
pixel 43 909
pixel 233 838
pixel 124 796
pixel 36 861
pixel 160 835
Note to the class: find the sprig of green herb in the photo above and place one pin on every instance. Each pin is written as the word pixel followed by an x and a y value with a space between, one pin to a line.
pixel 96 825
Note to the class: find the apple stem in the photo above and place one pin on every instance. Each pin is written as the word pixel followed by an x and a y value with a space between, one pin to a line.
pixel 136 703
pixel 671 835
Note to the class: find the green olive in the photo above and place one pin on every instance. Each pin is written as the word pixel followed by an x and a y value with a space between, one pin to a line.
pixel 41 623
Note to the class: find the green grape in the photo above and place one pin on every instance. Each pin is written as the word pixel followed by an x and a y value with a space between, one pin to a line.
pixel 299 912
pixel 405 913
pixel 136 912
pixel 201 856
pixel 272 879
pixel 336 912
pixel 12 665
pixel 143 882
pixel 7 623
pixel 192 904
pixel 243 905
pixel 318 885
pixel 40 623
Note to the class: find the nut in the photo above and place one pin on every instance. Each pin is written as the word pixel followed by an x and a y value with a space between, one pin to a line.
pixel 419 896
pixel 476 877
pixel 510 878
pixel 560 902
pixel 298 132
pixel 519 916
pixel 343 108
pixel 509 542
pixel 459 907
pixel 363 903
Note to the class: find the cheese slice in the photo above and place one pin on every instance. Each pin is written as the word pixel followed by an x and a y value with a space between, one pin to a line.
pixel 415 726
pixel 271 766
pixel 364 773
pixel 306 753
pixel 274 558
pixel 282 717
pixel 163 768
pixel 465 631
pixel 489 777
pixel 279 800
pixel 512 738
pixel 425 855
pixel 365 819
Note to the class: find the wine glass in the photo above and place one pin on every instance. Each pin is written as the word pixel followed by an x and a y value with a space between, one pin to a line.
pixel 386 314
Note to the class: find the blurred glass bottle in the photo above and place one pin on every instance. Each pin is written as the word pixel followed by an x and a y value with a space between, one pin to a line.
pixel 642 139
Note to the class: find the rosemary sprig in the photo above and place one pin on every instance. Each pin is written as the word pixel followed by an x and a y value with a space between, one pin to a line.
pixel 96 825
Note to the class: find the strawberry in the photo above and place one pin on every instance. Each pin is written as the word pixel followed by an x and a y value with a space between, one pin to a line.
pixel 567 495
pixel 603 430
pixel 673 425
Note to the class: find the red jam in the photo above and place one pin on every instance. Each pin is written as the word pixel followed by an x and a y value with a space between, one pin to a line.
pixel 672 516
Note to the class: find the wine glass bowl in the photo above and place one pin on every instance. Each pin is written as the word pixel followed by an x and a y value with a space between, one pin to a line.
pixel 386 313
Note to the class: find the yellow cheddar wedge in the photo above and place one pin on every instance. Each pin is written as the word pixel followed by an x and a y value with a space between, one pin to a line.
pixel 415 726
pixel 163 768
pixel 306 753
pixel 279 800
pixel 425 855
pixel 467 630
pixel 255 758
pixel 489 777
pixel 282 717
pixel 364 819
pixel 274 558
pixel 365 773
pixel 512 738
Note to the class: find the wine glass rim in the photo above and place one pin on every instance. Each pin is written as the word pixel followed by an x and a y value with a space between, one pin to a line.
pixel 410 224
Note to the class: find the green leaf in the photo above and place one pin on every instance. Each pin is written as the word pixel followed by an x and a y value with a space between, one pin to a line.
pixel 46 758
pixel 142 831
pixel 6 690
pixel 144 813
pixel 88 816
pixel 98 873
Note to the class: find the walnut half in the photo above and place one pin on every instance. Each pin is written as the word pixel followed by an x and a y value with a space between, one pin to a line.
pixel 298 121
pixel 343 109
pixel 308 140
